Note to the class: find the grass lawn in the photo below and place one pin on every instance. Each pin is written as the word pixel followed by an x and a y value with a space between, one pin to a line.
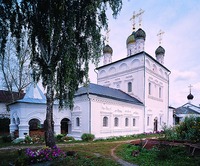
pixel 88 154
pixel 167 156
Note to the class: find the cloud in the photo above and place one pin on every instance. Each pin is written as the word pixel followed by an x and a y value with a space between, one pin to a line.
pixel 183 75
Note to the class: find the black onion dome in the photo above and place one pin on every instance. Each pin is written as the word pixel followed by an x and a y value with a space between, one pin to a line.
pixel 131 38
pixel 140 34
pixel 160 50
pixel 190 97
pixel 107 49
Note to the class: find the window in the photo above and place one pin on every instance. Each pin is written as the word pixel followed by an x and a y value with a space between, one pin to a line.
pixel 77 121
pixel 129 87
pixel 34 124
pixel 134 120
pixel 149 88
pixel 126 122
pixel 105 121
pixel 116 122
pixel 160 120
pixel 148 121
pixel 160 92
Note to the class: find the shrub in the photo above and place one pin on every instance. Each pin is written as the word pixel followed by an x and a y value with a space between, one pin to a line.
pixel 6 138
pixel 87 137
pixel 28 139
pixel 18 141
pixel 67 138
pixel 59 137
pixel 189 129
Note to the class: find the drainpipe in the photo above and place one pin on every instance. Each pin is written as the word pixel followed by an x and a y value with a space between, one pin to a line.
pixel 89 100
pixel 144 124
pixel 168 101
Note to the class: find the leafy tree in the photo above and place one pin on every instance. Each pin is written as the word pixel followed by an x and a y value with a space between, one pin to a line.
pixel 64 35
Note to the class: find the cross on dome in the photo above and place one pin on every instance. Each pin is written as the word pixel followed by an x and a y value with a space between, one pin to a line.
pixel 134 16
pixel 107 36
pixel 160 35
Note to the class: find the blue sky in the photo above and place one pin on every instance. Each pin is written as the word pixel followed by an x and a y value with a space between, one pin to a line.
pixel 180 20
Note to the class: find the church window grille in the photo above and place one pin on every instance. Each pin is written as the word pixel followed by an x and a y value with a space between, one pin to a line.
pixel 149 88
pixel 116 122
pixel 126 122
pixel 160 92
pixel 134 122
pixel 77 121
pixel 148 119
pixel 105 121
pixel 129 86
pixel 160 120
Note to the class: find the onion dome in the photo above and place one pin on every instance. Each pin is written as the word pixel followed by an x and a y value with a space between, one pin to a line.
pixel 131 38
pixel 107 49
pixel 160 50
pixel 140 34
pixel 190 97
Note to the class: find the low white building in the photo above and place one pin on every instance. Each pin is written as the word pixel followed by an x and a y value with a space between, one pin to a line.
pixel 131 97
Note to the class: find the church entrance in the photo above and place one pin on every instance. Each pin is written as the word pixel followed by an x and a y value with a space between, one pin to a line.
pixel 155 124
pixel 35 128
pixel 65 126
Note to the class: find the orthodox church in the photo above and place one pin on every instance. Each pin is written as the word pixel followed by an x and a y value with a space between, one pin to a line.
pixel 131 97
pixel 186 110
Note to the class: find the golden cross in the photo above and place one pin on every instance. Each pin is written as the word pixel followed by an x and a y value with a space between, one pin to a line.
pixel 160 34
pixel 107 36
pixel 140 16
pixel 133 19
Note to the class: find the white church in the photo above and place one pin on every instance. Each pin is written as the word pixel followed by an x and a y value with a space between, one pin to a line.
pixel 131 97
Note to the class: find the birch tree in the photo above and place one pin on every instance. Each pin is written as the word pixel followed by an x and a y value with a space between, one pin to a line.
pixel 64 36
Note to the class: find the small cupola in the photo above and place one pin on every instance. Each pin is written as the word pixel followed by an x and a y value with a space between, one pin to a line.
pixel 190 97
pixel 140 34
pixel 160 53
pixel 107 54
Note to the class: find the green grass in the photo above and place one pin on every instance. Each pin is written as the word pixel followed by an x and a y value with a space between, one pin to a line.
pixel 165 156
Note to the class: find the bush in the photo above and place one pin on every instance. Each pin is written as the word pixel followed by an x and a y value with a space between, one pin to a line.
pixel 189 129
pixel 18 141
pixel 87 137
pixel 67 138
pixel 59 137
pixel 7 138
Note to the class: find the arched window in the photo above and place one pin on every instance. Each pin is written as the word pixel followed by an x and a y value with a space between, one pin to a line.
pixel 116 122
pixel 77 121
pixel 129 86
pixel 105 121
pixel 134 121
pixel 34 124
pixel 126 122
pixel 149 88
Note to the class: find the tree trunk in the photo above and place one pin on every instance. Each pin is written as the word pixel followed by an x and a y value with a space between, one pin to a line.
pixel 49 124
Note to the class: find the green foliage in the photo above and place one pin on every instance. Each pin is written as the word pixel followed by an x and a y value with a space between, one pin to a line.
pixel 18 141
pixel 170 133
pixel 87 137
pixel 188 130
pixel 28 139
pixel 6 138
pixel 59 137
pixel 161 155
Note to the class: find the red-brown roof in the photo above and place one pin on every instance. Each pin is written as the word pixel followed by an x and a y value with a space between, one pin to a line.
pixel 6 97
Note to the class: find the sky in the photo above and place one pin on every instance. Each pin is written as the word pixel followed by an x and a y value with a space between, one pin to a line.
pixel 180 21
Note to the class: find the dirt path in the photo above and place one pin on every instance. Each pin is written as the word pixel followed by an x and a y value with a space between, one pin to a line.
pixel 120 161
